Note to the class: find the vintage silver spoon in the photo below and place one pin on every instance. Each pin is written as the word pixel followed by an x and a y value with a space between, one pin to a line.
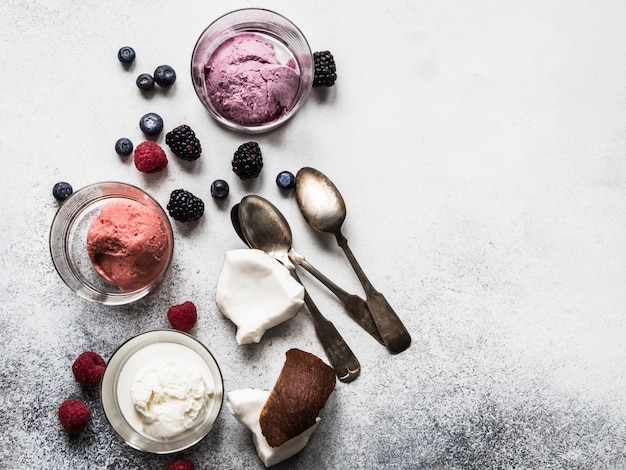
pixel 324 209
pixel 265 228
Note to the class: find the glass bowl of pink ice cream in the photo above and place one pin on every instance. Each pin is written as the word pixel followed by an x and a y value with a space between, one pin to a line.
pixel 111 243
pixel 252 69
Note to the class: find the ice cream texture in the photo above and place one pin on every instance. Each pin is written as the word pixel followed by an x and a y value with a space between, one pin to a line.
pixel 247 84
pixel 256 293
pixel 170 396
pixel 246 405
pixel 128 244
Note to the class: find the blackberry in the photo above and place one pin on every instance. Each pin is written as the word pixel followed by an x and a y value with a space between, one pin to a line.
pixel 325 72
pixel 285 180
pixel 247 162
pixel 184 143
pixel 151 124
pixel 124 146
pixel 219 189
pixel 145 82
pixel 62 190
pixel 126 55
pixel 164 75
pixel 184 206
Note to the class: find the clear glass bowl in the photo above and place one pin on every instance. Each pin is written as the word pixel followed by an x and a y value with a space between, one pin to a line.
pixel 121 370
pixel 68 242
pixel 289 43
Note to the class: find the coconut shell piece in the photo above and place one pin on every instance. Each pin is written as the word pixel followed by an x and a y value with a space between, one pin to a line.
pixel 301 391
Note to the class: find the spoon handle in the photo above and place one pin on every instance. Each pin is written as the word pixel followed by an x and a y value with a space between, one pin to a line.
pixel 355 306
pixel 339 354
pixel 394 333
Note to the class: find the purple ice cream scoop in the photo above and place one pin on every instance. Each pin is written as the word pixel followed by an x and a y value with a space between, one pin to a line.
pixel 247 84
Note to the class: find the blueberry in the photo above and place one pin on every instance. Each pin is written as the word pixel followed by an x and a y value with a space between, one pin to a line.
pixel 219 189
pixel 126 55
pixel 151 124
pixel 164 75
pixel 62 190
pixel 285 180
pixel 145 82
pixel 124 146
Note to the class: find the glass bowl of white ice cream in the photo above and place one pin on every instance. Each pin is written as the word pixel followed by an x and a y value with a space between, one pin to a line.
pixel 162 391
pixel 111 242
pixel 252 69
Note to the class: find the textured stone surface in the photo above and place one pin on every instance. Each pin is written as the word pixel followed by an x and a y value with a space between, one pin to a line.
pixel 480 149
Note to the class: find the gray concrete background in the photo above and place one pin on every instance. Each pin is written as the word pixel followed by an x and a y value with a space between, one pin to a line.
pixel 480 150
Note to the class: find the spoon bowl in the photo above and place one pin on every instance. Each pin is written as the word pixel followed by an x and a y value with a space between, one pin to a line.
pixel 264 227
pixel 234 218
pixel 325 207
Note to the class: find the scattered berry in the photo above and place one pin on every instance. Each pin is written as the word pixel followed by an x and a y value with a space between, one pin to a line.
pixel 124 146
pixel 62 190
pixel 325 72
pixel 126 55
pixel 73 415
pixel 182 317
pixel 247 162
pixel 219 189
pixel 184 143
pixel 145 82
pixel 184 206
pixel 88 368
pixel 285 180
pixel 151 124
pixel 181 464
pixel 164 75
pixel 149 157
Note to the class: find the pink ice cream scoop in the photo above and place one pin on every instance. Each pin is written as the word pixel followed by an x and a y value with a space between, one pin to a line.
pixel 128 244
pixel 247 84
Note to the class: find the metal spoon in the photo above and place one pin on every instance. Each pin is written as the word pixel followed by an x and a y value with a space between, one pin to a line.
pixel 265 228
pixel 324 209
pixel 353 304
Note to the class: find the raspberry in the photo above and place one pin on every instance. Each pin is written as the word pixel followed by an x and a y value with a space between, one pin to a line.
pixel 325 72
pixel 184 143
pixel 182 317
pixel 73 415
pixel 184 206
pixel 88 368
pixel 149 157
pixel 180 464
pixel 247 161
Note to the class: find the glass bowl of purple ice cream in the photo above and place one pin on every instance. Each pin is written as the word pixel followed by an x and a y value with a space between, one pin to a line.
pixel 252 69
